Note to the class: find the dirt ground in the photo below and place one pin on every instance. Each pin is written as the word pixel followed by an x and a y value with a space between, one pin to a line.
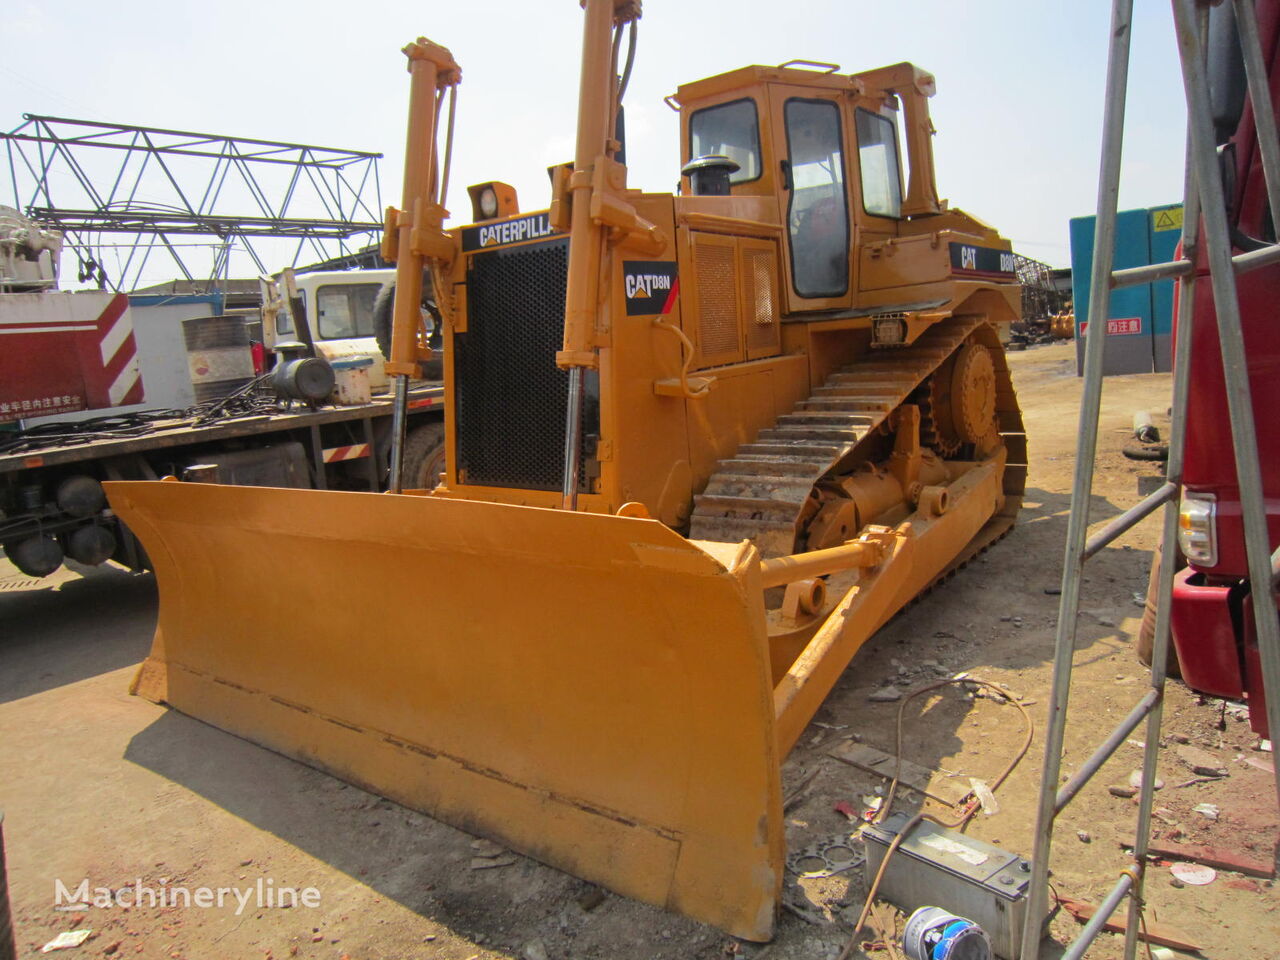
pixel 100 787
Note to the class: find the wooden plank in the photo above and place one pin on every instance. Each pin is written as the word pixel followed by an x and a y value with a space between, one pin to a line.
pixel 1211 857
pixel 1160 933
pixel 929 782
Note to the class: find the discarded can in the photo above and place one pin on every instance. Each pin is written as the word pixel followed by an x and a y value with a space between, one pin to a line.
pixel 934 934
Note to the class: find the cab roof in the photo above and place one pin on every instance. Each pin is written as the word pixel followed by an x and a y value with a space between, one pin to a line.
pixel 824 76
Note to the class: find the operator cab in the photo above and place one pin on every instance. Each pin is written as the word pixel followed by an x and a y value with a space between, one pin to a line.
pixel 824 149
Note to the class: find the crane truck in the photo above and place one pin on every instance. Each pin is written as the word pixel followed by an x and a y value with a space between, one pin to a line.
pixel 91 391
pixel 699 448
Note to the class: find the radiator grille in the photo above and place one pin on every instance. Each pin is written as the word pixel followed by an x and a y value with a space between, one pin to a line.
pixel 509 396
pixel 718 340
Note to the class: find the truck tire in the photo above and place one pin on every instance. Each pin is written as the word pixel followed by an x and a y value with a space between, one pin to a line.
pixel 1147 628
pixel 432 369
pixel 36 556
pixel 423 456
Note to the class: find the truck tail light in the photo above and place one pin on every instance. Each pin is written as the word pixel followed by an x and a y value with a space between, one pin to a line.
pixel 1197 528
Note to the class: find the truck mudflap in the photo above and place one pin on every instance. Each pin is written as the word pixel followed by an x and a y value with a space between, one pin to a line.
pixel 1255 688
pixel 593 691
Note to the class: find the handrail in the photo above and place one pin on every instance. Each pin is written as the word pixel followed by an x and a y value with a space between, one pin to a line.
pixel 829 67
pixel 687 350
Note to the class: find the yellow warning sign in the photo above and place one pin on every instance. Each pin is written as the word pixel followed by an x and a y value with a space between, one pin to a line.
pixel 1168 219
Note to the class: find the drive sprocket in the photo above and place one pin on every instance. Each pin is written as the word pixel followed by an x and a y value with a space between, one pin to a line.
pixel 958 404
pixel 973 392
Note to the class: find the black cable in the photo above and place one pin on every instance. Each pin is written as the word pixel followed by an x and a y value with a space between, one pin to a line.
pixel 247 400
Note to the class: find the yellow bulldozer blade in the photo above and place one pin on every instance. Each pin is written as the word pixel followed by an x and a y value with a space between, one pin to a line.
pixel 595 691
pixel 605 706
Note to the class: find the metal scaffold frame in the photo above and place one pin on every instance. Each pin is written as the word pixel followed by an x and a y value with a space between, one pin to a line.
pixel 96 183
pixel 1204 198
pixel 1040 297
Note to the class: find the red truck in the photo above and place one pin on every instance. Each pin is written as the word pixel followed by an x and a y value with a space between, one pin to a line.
pixel 1212 611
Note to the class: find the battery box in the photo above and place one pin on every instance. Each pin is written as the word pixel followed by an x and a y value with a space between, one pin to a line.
pixel 938 867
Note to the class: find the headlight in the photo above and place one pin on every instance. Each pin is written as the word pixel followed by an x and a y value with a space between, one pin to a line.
pixel 491 200
pixel 488 203
pixel 1197 528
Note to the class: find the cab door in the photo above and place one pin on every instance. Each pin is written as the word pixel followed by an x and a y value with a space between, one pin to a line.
pixel 876 172
pixel 811 136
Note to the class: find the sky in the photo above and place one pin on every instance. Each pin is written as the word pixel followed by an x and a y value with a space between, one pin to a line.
pixel 1018 109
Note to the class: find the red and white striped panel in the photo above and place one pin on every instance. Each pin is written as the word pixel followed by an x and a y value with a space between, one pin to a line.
pixel 119 352
pixel 353 452
pixel 61 352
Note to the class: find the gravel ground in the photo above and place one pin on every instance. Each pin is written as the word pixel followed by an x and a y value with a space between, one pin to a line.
pixel 102 787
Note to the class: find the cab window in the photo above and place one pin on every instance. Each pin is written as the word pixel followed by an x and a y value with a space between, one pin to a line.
pixel 818 217
pixel 731 130
pixel 346 310
pixel 878 161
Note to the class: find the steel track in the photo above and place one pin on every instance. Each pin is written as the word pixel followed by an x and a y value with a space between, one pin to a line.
pixel 760 494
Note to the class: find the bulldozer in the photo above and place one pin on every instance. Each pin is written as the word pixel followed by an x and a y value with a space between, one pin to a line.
pixel 699 448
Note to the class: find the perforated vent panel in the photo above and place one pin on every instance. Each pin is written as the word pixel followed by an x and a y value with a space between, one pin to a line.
pixel 759 267
pixel 718 334
pixel 509 396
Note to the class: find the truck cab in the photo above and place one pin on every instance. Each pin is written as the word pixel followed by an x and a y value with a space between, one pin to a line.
pixel 339 307
pixel 1212 618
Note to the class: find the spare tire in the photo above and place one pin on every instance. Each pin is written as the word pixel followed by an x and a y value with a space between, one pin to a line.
pixel 423 457
pixel 1147 628
pixel 383 306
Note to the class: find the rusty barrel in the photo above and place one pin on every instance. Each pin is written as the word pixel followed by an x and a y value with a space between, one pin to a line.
pixel 219 356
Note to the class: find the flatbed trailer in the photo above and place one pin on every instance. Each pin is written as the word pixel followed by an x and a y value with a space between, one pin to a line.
pixel 50 487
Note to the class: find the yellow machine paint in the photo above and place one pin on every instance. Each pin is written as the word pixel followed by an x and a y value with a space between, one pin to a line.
pixel 786 411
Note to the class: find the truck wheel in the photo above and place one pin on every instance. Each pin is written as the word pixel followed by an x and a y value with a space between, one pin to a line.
pixel 433 369
pixel 424 456
pixel 1147 629
pixel 36 556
